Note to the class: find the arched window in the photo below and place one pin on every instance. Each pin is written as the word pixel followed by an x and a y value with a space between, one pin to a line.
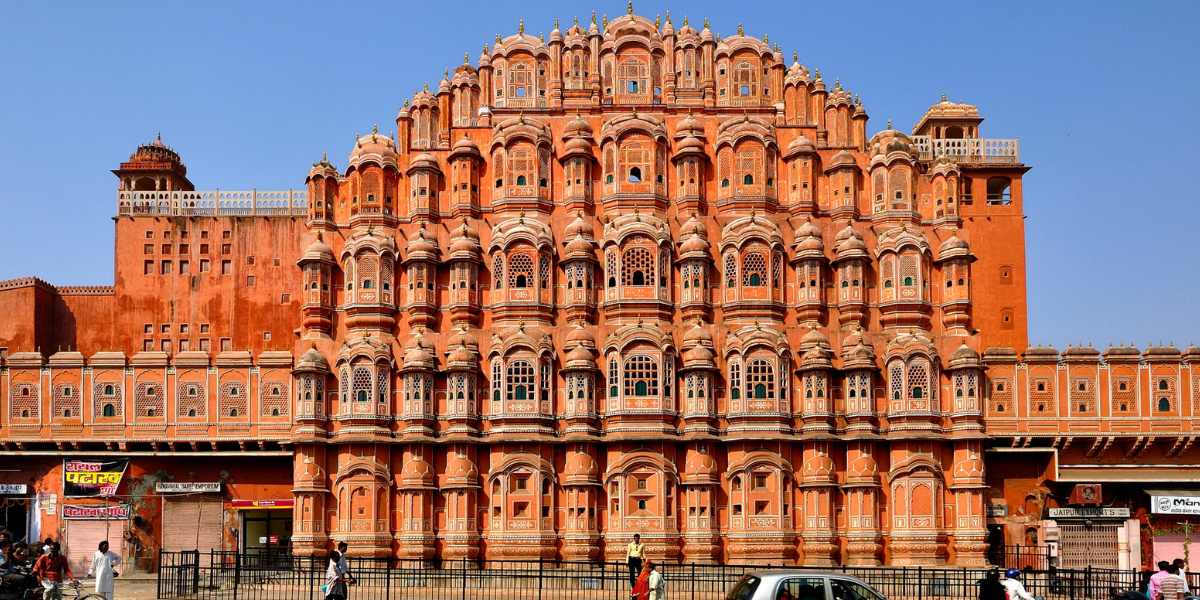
pixel 754 269
pixel 498 271
pixel 1164 404
pixel 896 377
pixel 637 267
pixel 519 377
pixel 520 271
pixel 362 384
pixel 918 380
pixel 635 175
pixel 744 80
pixel 496 380
pixel 730 270
pixel 999 190
pixel 760 375
pixel 635 158
pixel 641 376
pixel 735 380
pixel 109 410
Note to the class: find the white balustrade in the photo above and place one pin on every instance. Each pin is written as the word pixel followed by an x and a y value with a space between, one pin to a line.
pixel 985 150
pixel 252 203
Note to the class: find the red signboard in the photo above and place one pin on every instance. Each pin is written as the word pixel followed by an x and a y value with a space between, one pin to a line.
pixel 285 503
pixel 118 512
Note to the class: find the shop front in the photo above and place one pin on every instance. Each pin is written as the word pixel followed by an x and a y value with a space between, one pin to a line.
pixel 15 509
pixel 1174 525
pixel 266 525
pixel 89 524
pixel 193 515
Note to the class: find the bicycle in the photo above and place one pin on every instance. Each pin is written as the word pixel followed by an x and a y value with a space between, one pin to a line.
pixel 76 592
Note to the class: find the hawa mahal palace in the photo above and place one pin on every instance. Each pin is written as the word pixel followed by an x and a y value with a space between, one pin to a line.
pixel 628 277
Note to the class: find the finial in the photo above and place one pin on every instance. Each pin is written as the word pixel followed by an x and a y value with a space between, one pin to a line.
pixel 706 22
pixel 485 48
pixel 375 128
pixel 668 16
pixel 657 21
pixel 766 39
pixel 542 38
pixel 556 22
pixel 604 21
pixel 945 98
pixel 467 57
pixel 889 124
pixel 497 39
pixel 426 87
pixel 158 137
pixel 406 103
pixel 629 7
pixel 445 73
pixel 325 157
pixel 521 26
pixel 795 56
pixel 741 29
pixel 818 73
pixel 593 16
pixel 685 21
pixel 575 22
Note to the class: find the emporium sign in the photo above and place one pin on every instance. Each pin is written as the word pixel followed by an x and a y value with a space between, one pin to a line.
pixel 92 478
pixel 188 487
pixel 1090 512
pixel 1175 505
pixel 116 512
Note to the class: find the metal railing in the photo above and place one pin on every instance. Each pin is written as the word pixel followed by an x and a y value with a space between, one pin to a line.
pixel 280 576
pixel 981 150
pixel 252 203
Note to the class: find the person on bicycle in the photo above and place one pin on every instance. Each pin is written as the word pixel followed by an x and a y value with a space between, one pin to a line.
pixel 51 569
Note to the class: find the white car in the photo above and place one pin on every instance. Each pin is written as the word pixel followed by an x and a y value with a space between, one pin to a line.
pixel 801 585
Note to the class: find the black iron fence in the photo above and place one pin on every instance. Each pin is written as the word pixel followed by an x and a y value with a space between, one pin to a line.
pixel 275 576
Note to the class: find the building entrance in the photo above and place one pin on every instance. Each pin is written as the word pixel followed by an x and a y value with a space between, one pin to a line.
pixel 266 531
pixel 14 517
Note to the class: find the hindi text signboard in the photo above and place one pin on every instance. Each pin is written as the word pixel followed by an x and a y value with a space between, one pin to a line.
pixel 92 478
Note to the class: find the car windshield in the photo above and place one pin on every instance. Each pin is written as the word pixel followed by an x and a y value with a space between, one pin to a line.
pixel 744 589
pixel 849 590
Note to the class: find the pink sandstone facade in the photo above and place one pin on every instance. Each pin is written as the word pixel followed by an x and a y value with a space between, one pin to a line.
pixel 622 279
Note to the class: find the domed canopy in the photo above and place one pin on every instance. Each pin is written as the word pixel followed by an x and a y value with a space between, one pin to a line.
pixel 156 151
pixel 418 354
pixel 323 168
pixel 317 251
pixel 312 361
pixel 843 159
pixel 373 147
pixel 465 243
pixel 423 162
pixel 814 337
pixel 808 241
pixel 964 358
pixel 577 127
pixel 465 148
pixel 421 247
pixel 801 145
pixel 417 472
pixel 850 244
pixel 581 469
pixel 700 468
pixel 953 247
pixel 461 471
pixel 579 226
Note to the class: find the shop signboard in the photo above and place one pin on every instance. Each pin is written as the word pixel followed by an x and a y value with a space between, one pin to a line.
pixel 283 503
pixel 188 487
pixel 1165 504
pixel 115 512
pixel 1089 512
pixel 14 489
pixel 92 478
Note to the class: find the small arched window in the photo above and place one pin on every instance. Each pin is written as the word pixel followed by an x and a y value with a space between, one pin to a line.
pixel 109 410
pixel 1164 405
pixel 999 190
pixel 635 175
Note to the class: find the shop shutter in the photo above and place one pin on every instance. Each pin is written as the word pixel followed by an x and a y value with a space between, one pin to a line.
pixel 191 523
pixel 83 537
pixel 1082 546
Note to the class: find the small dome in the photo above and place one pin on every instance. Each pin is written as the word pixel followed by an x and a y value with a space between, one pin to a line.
pixel 461 470
pixel 577 147
pixel 801 145
pixel 843 158
pixel 814 337
pixel 579 226
pixel 423 161
pixel 889 141
pixel 697 356
pixel 417 472
pixel 696 334
pixel 953 247
pixel 155 151
pixel 577 127
pixel 692 226
pixel 420 245
pixel 312 360
pixel 323 168
pixel 580 355
pixel 318 251
pixel 808 241
pixel 465 242
pixel 580 335
pixel 373 147
pixel 580 466
pixel 578 246
pixel 694 244
pixel 690 124
pixel 700 465
pixel 689 145
pixel 850 244
pixel 465 148
pixel 417 355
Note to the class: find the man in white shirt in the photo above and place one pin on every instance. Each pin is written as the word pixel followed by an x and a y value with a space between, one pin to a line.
pixel 658 585
pixel 1014 587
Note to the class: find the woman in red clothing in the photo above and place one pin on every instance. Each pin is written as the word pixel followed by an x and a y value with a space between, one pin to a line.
pixel 641 588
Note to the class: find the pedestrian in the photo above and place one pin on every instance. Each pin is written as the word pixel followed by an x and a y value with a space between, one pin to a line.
pixel 1171 588
pixel 990 587
pixel 5 551
pixel 634 554
pixel 641 585
pixel 334 587
pixel 1182 566
pixel 344 562
pixel 103 563
pixel 1155 588
pixel 52 570
pixel 658 583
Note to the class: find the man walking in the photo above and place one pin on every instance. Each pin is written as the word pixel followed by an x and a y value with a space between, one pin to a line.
pixel 634 555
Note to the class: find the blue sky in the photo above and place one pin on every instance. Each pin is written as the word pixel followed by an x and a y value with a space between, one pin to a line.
pixel 1101 94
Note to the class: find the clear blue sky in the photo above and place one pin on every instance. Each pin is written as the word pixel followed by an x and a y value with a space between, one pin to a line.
pixel 1102 95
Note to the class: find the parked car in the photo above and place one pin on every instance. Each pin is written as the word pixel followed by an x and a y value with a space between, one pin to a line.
pixel 801 585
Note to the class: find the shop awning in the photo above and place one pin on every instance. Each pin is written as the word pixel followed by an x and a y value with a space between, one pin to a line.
pixel 1168 474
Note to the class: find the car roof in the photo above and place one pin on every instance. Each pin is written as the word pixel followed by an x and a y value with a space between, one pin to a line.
pixel 776 574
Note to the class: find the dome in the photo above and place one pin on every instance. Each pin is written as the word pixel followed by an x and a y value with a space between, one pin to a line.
pixel 580 335
pixel 801 145
pixel 417 355
pixel 312 360
pixel 465 242
pixel 461 470
pixel 579 246
pixel 843 158
pixel 697 356
pixel 953 247
pixel 816 357
pixel 577 147
pixel 464 148
pixel 577 127
pixel 963 357
pixel 155 151
pixel 423 161
pixel 420 245
pixel 373 147
pixel 696 335
pixel 464 350
pixel 689 145
pixel 579 355
pixel 690 125
pixel 417 472
pixel 890 141
pixel 694 244
pixel 692 226
pixel 323 168
pixel 318 251
pixel 808 241
pixel 850 244
pixel 814 337
pixel 860 356
pixel 580 467
pixel 700 466
pixel 579 226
